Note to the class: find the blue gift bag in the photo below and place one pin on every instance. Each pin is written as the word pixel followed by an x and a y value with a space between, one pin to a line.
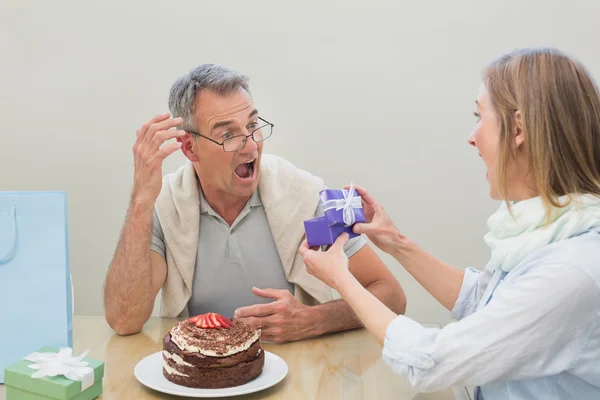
pixel 35 283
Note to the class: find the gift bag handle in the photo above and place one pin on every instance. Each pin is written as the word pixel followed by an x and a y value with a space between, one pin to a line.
pixel 13 247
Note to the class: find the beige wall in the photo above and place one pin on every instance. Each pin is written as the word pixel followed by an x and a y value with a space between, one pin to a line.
pixel 383 90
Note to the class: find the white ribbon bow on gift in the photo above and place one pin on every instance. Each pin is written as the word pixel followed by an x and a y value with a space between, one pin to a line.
pixel 347 204
pixel 62 363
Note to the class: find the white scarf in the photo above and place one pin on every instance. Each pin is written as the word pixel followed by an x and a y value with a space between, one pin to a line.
pixel 511 239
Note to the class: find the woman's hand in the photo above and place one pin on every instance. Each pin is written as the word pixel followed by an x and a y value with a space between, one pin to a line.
pixel 379 228
pixel 440 279
pixel 329 266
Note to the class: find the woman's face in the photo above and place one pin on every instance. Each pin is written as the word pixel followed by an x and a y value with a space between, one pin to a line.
pixel 485 138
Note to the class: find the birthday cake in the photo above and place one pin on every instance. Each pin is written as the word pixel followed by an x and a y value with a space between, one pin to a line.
pixel 211 351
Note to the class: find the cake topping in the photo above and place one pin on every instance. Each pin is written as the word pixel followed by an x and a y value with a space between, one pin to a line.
pixel 190 335
pixel 210 321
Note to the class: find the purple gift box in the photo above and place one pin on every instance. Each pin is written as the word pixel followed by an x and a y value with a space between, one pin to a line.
pixel 319 233
pixel 342 209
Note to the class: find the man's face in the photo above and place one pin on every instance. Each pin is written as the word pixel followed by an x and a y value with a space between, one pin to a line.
pixel 220 118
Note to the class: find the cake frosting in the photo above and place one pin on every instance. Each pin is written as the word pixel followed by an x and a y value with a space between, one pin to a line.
pixel 178 360
pixel 204 354
pixel 213 342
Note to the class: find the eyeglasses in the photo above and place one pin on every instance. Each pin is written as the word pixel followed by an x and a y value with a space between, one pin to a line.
pixel 238 142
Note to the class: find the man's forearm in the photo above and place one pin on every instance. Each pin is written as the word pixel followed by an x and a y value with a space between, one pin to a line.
pixel 128 291
pixel 337 315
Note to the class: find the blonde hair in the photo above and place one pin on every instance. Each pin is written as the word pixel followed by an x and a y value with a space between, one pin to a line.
pixel 560 115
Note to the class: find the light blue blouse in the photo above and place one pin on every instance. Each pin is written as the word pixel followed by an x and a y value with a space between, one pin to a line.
pixel 537 337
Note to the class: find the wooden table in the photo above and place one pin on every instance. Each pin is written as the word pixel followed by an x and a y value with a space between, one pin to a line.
pixel 344 366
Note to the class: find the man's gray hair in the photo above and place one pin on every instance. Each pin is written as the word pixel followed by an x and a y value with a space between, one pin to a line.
pixel 215 78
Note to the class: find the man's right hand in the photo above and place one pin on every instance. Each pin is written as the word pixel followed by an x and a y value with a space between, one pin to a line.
pixel 148 156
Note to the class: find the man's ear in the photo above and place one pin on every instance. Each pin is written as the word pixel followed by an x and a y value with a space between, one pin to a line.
pixel 187 146
pixel 518 133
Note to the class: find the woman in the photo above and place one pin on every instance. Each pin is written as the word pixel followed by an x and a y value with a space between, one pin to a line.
pixel 529 324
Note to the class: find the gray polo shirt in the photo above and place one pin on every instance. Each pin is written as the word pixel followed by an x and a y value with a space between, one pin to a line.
pixel 233 259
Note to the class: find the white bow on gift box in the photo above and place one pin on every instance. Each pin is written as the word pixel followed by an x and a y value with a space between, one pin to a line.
pixel 62 363
pixel 347 205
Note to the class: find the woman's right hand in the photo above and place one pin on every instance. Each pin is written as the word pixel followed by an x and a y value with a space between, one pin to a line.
pixel 379 228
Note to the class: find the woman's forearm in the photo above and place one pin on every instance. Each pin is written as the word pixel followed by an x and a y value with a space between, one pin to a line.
pixel 441 280
pixel 374 315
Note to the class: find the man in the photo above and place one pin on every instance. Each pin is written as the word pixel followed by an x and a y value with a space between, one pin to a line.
pixel 222 233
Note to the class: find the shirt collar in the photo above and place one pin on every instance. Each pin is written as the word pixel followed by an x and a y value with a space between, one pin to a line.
pixel 254 201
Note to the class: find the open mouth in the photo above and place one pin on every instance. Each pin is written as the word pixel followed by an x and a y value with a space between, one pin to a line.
pixel 246 169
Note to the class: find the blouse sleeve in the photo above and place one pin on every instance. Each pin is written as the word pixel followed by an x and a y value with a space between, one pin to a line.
pixel 533 326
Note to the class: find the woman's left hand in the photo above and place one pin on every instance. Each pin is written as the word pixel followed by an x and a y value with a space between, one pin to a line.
pixel 329 266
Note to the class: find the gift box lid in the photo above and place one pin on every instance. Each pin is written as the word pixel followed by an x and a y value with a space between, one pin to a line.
pixel 334 202
pixel 19 375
